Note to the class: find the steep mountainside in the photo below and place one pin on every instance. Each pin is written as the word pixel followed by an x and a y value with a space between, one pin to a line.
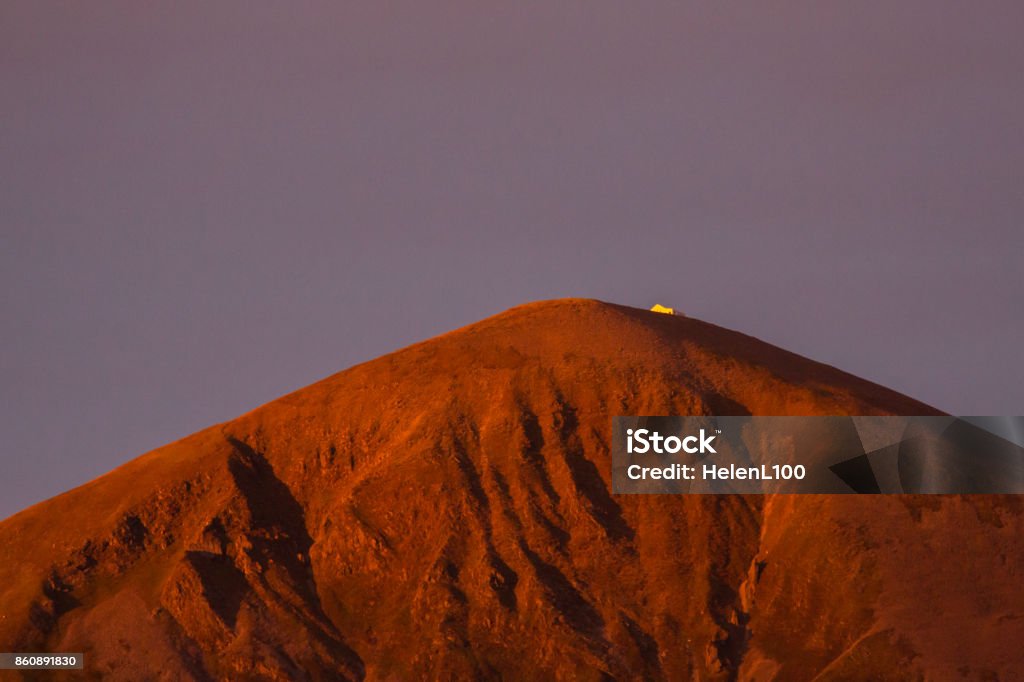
pixel 445 512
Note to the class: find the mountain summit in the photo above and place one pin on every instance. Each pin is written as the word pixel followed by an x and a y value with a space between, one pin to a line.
pixel 444 512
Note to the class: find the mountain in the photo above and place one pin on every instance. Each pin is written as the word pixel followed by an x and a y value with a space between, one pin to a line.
pixel 444 512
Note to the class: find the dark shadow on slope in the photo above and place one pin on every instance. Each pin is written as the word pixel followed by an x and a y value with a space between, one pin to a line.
pixel 60 595
pixel 559 536
pixel 723 406
pixel 505 497
pixel 579 613
pixel 602 507
pixel 474 482
pixel 503 581
pixel 224 586
pixel 287 544
pixel 532 452
pixel 646 644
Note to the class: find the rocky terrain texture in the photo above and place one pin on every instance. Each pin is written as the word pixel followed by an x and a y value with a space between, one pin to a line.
pixel 444 512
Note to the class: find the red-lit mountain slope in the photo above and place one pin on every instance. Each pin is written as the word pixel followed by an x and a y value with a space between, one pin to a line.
pixel 444 512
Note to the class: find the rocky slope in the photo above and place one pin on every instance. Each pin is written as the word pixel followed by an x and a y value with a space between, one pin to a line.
pixel 444 512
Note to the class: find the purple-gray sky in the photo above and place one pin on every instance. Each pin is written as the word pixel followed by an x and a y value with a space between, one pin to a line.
pixel 206 205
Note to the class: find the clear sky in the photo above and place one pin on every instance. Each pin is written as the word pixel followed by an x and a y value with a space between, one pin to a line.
pixel 206 205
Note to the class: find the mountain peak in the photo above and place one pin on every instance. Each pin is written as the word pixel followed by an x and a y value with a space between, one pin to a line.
pixel 445 511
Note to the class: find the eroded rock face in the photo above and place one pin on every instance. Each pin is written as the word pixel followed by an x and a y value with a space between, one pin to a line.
pixel 445 512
